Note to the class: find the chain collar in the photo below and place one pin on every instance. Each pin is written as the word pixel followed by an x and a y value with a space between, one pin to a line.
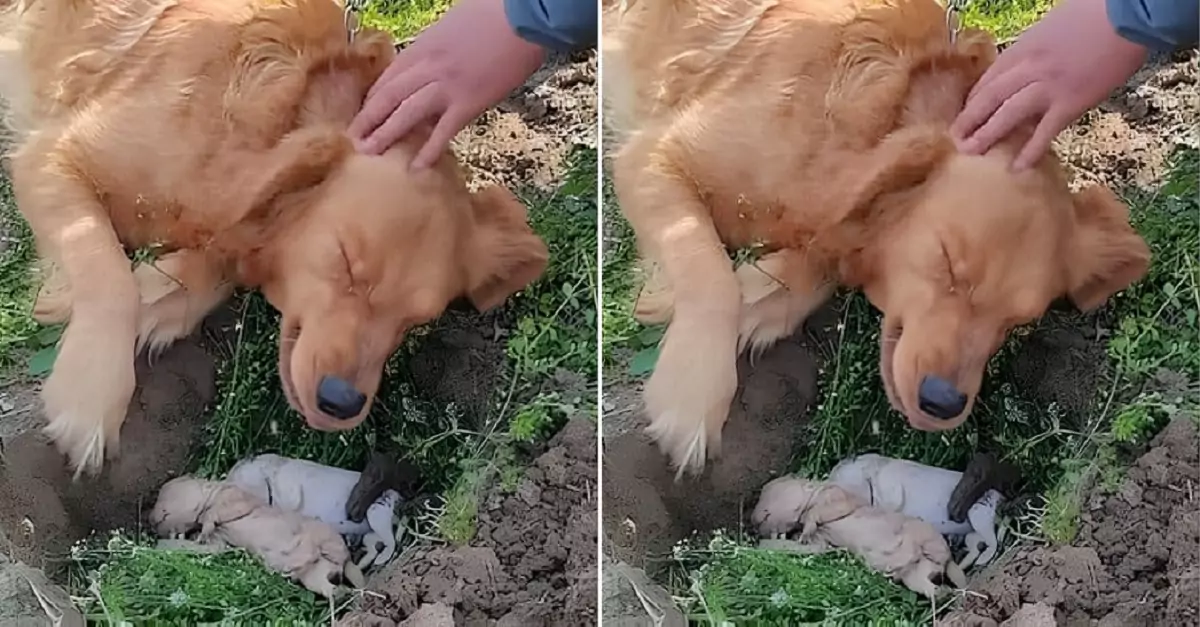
pixel 953 24
pixel 350 12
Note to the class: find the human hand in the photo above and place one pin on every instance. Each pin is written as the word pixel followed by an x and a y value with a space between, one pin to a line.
pixel 465 63
pixel 1062 66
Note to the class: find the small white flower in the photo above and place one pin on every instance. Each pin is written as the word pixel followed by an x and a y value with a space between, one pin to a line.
pixel 179 598
pixel 780 598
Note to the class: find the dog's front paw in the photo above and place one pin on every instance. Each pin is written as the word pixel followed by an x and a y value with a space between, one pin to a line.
pixel 87 396
pixel 688 396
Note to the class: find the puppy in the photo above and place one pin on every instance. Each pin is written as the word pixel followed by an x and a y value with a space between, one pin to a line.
pixel 301 548
pixel 320 492
pixel 828 516
pixel 816 133
pixel 212 133
pixel 923 492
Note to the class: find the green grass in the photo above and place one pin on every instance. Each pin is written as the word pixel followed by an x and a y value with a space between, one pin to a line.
pixel 736 584
pixel 402 18
pixel 18 331
pixel 1005 19
pixel 119 580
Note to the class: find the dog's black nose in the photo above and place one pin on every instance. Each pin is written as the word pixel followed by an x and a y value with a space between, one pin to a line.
pixel 338 398
pixel 939 398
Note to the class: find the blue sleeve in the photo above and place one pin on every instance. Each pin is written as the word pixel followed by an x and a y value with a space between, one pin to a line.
pixel 562 25
pixel 1157 24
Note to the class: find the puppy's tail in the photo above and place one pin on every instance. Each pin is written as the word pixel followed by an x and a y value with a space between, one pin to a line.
pixel 956 575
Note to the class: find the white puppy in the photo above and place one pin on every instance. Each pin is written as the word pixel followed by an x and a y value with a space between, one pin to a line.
pixel 321 492
pixel 300 547
pixel 922 492
pixel 828 516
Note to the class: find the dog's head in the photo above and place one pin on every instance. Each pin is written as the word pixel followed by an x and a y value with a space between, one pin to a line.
pixel 181 501
pixel 356 250
pixel 958 250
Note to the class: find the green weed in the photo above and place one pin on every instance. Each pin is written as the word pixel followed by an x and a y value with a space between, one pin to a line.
pixel 127 581
pixel 1005 19
pixel 730 583
pixel 402 19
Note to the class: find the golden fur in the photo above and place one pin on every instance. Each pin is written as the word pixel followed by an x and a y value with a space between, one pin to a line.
pixel 824 516
pixel 302 548
pixel 815 131
pixel 213 133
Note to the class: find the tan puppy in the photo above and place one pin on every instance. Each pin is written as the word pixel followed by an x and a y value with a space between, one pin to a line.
pixel 827 516
pixel 212 133
pixel 302 548
pixel 815 132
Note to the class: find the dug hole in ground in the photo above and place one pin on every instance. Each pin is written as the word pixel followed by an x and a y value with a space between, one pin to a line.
pixel 1116 543
pixel 530 559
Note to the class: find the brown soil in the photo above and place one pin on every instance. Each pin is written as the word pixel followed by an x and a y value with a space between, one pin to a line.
pixel 539 538
pixel 533 560
pixel 1136 560
pixel 646 511
pixel 43 512
pixel 525 139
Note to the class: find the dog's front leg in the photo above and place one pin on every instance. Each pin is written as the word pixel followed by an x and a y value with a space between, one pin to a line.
pixel 87 395
pixel 688 396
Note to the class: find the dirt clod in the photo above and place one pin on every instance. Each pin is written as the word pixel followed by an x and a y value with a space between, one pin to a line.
pixel 533 559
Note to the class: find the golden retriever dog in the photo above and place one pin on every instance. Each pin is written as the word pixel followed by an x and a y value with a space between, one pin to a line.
pixel 302 548
pixel 213 133
pixel 815 134
pixel 826 516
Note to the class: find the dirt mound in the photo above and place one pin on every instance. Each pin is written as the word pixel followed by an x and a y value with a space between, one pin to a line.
pixel 461 362
pixel 533 560
pixel 1129 137
pixel 1137 557
pixel 646 511
pixel 526 138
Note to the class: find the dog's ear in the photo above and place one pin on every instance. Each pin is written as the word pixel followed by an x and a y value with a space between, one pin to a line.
pixel 832 503
pixel 272 195
pixel 1105 255
pixel 504 254
pixel 300 161
pixel 902 161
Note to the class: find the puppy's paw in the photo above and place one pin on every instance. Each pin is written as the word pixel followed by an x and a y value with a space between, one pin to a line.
pixel 87 396
pixel 688 396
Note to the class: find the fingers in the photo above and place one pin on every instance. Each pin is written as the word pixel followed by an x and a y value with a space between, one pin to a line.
pixel 1039 144
pixel 420 106
pixel 1025 104
pixel 403 60
pixel 447 127
pixel 384 104
pixel 983 107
